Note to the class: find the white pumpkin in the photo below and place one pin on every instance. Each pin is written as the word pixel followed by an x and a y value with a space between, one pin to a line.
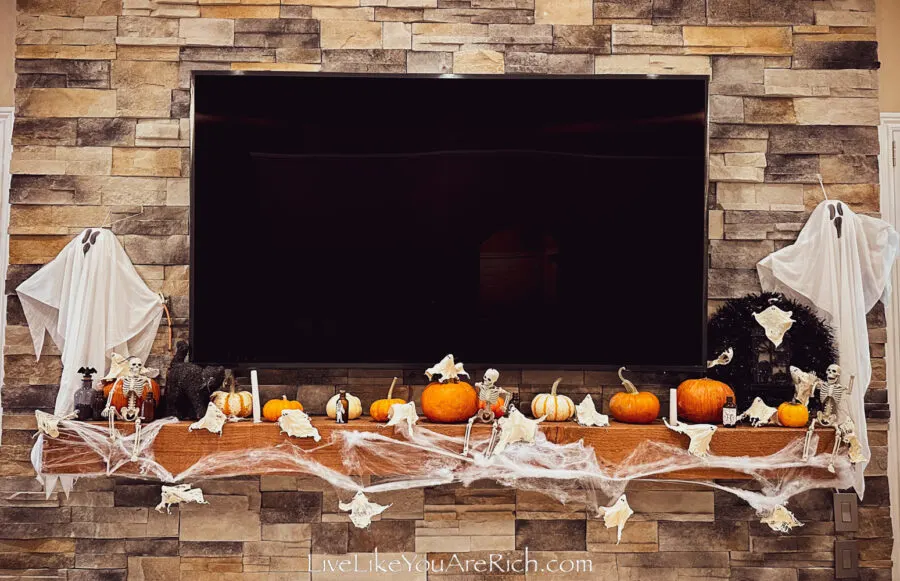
pixel 557 408
pixel 352 400
pixel 233 403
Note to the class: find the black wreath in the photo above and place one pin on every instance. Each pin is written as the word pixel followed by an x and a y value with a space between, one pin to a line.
pixel 809 341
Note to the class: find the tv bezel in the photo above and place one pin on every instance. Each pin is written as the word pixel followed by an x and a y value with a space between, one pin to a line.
pixel 699 368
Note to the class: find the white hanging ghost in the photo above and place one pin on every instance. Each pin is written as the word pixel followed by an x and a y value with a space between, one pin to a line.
pixel 362 510
pixel 296 424
pixel 91 301
pixel 403 413
pixel 617 515
pixel 213 420
pixel 781 520
pixel 700 435
pixel 515 427
pixel 841 266
pixel 775 322
pixel 586 413
pixel 447 369
pixel 723 359
pixel 759 413
pixel 49 423
pixel 179 494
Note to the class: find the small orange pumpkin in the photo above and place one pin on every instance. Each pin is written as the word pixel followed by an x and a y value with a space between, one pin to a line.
pixel 449 402
pixel 497 408
pixel 119 400
pixel 701 400
pixel 632 406
pixel 793 415
pixel 273 408
pixel 380 407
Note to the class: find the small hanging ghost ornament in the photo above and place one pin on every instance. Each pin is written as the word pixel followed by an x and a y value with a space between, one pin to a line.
pixel 723 359
pixel 760 414
pixel 49 423
pixel 775 322
pixel 362 510
pixel 403 413
pixel 447 368
pixel 586 414
pixel 781 520
pixel 617 515
pixel 179 494
pixel 700 435
pixel 296 424
pixel 515 428
pixel 213 420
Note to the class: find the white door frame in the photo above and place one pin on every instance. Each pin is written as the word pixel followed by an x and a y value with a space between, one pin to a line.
pixel 6 125
pixel 889 136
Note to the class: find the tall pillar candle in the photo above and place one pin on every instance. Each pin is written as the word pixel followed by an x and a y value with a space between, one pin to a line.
pixel 254 386
pixel 673 406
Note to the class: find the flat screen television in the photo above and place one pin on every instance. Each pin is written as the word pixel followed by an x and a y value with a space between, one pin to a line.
pixel 353 220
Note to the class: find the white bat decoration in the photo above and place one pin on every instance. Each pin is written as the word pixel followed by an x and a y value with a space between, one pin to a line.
pixel 700 435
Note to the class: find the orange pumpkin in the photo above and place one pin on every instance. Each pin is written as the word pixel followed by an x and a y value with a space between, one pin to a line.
pixel 273 408
pixel 793 415
pixel 702 400
pixel 632 406
pixel 497 408
pixel 119 400
pixel 380 407
pixel 453 401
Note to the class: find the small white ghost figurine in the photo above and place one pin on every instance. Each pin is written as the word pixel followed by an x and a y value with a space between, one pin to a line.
pixel 362 510
pixel 447 369
pixel 179 494
pixel 781 520
pixel 295 423
pixel 759 413
pixel 515 427
pixel 776 323
pixel 587 415
pixel 724 358
pixel 49 424
pixel 212 421
pixel 617 515
pixel 700 435
pixel 400 413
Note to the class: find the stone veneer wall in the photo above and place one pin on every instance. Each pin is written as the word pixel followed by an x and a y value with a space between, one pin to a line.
pixel 102 125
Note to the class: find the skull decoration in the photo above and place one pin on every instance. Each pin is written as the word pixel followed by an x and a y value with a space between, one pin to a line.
pixel 833 373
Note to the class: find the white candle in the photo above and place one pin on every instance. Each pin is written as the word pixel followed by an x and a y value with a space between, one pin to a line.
pixel 673 407
pixel 254 386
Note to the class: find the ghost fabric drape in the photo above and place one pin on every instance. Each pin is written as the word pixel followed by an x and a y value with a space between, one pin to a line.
pixel 841 266
pixel 91 301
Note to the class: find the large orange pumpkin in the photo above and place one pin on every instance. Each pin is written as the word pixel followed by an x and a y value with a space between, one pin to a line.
pixel 273 408
pixel 793 415
pixel 632 406
pixel 702 400
pixel 453 401
pixel 380 407
pixel 119 400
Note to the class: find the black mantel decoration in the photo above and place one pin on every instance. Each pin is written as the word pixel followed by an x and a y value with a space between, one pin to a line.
pixel 758 368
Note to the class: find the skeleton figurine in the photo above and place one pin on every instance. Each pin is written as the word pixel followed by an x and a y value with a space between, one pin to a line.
pixel 488 394
pixel 835 413
pixel 133 384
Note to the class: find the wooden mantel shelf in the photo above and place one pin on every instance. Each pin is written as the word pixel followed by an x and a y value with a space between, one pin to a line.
pixel 177 449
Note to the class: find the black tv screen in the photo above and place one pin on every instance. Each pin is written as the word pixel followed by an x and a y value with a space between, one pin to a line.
pixel 389 220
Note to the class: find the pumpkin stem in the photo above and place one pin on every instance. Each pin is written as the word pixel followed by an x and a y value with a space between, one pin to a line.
pixel 391 388
pixel 555 385
pixel 629 387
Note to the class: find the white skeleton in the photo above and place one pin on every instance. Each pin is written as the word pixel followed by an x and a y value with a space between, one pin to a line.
pixel 133 384
pixel 488 394
pixel 835 413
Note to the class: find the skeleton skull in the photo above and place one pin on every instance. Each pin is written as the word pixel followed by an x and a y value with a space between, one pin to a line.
pixel 491 376
pixel 833 373
pixel 135 365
